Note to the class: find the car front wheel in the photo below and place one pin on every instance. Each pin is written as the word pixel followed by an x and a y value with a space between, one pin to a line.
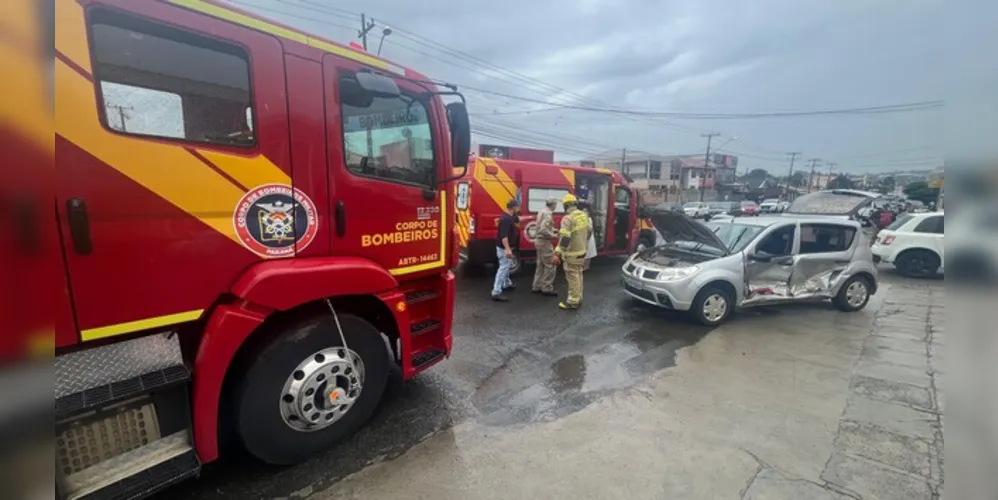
pixel 712 306
pixel 854 294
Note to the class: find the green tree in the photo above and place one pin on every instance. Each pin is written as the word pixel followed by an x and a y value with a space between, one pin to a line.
pixel 758 172
pixel 920 190
pixel 799 179
pixel 841 181
pixel 886 185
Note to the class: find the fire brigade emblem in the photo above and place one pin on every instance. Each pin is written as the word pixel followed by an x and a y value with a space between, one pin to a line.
pixel 530 232
pixel 274 219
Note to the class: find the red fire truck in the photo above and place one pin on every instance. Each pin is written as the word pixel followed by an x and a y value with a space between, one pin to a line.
pixel 257 237
pixel 481 198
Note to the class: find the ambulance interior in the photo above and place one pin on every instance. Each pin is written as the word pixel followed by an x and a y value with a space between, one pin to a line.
pixel 599 203
pixel 621 217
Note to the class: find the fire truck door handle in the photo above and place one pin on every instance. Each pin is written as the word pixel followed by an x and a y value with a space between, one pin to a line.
pixel 79 225
pixel 341 219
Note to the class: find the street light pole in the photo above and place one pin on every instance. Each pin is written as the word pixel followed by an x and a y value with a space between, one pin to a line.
pixel 385 32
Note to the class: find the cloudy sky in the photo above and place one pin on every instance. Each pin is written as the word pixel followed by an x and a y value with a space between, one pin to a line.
pixel 704 56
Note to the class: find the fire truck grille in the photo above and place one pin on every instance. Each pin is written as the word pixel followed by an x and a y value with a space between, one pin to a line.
pixel 87 443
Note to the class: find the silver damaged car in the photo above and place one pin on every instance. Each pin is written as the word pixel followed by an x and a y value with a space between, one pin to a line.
pixel 711 269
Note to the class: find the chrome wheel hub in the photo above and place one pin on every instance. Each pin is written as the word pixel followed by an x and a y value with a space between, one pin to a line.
pixel 322 389
pixel 856 293
pixel 714 307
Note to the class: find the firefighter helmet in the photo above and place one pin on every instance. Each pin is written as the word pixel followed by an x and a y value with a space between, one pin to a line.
pixel 569 198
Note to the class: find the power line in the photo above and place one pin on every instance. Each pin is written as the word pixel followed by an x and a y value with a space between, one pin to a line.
pixel 882 109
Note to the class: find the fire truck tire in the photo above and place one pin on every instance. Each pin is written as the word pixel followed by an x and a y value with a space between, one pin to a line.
pixel 303 392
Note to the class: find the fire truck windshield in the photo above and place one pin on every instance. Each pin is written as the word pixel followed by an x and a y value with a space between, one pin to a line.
pixel 388 138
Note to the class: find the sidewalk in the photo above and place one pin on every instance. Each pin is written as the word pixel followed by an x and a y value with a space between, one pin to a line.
pixel 890 439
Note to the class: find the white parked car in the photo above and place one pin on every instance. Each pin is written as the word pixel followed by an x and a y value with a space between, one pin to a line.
pixel 913 244
pixel 697 210
pixel 769 205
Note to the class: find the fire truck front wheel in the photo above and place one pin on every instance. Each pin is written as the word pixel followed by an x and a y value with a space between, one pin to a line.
pixel 306 390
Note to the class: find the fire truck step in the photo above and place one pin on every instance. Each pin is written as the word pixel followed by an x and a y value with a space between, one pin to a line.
pixel 100 367
pixel 427 358
pixel 424 326
pixel 137 473
pixel 114 392
pixel 421 296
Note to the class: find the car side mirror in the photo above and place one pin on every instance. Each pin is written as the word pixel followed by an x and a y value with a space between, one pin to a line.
pixel 760 257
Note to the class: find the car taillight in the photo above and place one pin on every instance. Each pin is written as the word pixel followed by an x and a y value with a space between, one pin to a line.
pixel 887 239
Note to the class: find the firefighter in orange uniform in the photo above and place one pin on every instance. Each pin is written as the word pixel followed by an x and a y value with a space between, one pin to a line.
pixel 572 245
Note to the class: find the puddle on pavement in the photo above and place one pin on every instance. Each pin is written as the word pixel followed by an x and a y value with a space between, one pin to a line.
pixel 547 386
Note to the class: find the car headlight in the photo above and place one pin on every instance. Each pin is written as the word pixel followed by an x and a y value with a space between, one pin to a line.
pixel 677 273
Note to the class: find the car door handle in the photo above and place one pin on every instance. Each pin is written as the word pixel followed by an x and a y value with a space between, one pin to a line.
pixel 341 219
pixel 79 225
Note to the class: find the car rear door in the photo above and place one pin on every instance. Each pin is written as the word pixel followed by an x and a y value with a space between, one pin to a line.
pixel 929 233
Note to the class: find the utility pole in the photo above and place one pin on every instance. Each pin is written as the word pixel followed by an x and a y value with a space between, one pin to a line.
pixel 365 28
pixel 706 161
pixel 122 114
pixel 831 165
pixel 790 178
pixel 623 161
pixel 810 179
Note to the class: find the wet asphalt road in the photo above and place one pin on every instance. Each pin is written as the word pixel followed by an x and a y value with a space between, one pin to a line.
pixel 514 363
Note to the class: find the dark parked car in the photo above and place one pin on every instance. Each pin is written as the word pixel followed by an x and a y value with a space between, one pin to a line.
pixel 732 208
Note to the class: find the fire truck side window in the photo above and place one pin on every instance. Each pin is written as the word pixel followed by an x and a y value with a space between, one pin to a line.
pixel 386 138
pixel 161 82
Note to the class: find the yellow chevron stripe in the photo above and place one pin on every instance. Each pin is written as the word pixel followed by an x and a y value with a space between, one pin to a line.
pixel 570 175
pixel 71 35
pixel 499 187
pixel 249 171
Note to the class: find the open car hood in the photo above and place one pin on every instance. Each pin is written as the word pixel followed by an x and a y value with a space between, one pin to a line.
pixel 676 226
pixel 832 202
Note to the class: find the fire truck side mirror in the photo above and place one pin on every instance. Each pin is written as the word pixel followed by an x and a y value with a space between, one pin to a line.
pixel 460 133
pixel 377 85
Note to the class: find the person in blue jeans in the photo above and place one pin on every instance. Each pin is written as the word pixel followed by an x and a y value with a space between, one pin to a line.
pixel 505 238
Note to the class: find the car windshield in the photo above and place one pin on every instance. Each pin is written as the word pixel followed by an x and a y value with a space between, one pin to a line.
pixel 771 200
pixel 748 204
pixel 691 204
pixel 735 236
pixel 900 221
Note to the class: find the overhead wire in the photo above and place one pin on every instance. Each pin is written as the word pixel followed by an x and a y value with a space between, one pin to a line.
pixel 584 103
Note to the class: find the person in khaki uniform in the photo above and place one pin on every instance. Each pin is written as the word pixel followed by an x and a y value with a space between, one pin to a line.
pixel 572 245
pixel 544 242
